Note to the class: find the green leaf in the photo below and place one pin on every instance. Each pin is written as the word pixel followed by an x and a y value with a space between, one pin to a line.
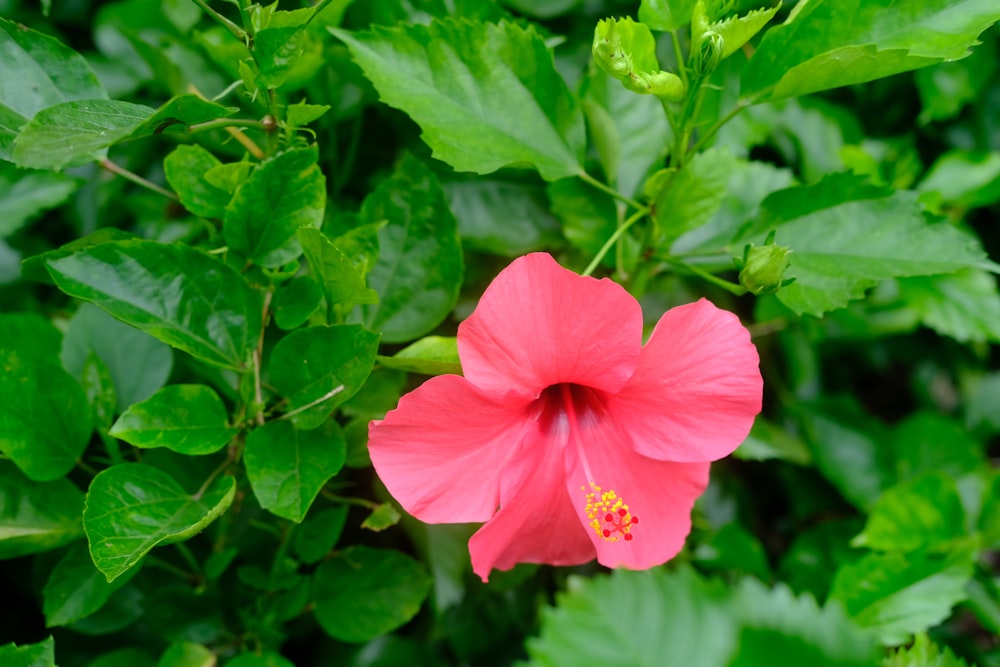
pixel 634 619
pixel 737 30
pixel 666 14
pixel 263 660
pixel 183 110
pixel 630 133
pixel 989 517
pixel 341 281
pixel 76 589
pixel 123 657
pixel 362 592
pixel 767 440
pixel 818 49
pixel 276 51
pixel 382 516
pixel 431 355
pixel 283 194
pixel 846 236
pixel 686 199
pixel 317 536
pixel 175 293
pixel 542 9
pixel 31 335
pixel 137 363
pixel 923 513
pixel 185 169
pixel 132 508
pixel 187 654
pixel 781 629
pixel 588 215
pixel 41 654
pixel 749 184
pixel 33 268
pixel 287 467
pixel 899 594
pixel 27 193
pixel 36 516
pixel 419 269
pixel 923 653
pixel 296 301
pixel 963 305
pixel 732 547
pixel 918 446
pixel 187 418
pixel 37 71
pixel 45 420
pixel 502 67
pixel 817 553
pixel 507 217
pixel 301 114
pixel 70 134
pixel 850 448
pixel 964 178
pixel 308 365
pixel 946 89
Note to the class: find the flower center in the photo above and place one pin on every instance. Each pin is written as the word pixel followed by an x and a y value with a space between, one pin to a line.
pixel 609 515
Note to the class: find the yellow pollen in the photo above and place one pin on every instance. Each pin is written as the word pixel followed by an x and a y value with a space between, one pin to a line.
pixel 609 514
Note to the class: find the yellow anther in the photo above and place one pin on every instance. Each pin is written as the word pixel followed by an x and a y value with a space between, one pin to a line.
pixel 609 515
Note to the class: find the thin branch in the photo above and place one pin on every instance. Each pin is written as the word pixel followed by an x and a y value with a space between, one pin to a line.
pixel 258 395
pixel 638 215
pixel 119 170
pixel 237 31
pixel 330 394
pixel 587 178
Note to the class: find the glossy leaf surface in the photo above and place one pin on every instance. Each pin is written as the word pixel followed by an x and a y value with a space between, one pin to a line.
pixel 308 365
pixel 187 418
pixel 209 312
pixel 132 508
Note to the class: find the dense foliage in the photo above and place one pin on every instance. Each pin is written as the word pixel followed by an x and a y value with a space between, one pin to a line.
pixel 232 234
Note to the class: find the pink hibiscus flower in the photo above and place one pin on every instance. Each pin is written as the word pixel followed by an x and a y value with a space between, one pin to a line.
pixel 567 436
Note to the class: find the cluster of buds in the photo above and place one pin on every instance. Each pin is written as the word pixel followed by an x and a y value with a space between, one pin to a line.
pixel 627 50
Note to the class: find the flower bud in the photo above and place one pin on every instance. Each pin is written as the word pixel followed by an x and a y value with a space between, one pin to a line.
pixel 708 55
pixel 762 267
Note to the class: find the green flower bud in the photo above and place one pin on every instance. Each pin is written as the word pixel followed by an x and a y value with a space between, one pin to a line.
pixel 708 55
pixel 627 51
pixel 762 267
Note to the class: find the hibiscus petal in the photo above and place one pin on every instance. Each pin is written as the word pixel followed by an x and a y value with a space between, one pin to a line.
pixel 536 522
pixel 539 324
pixel 440 452
pixel 659 494
pixel 696 390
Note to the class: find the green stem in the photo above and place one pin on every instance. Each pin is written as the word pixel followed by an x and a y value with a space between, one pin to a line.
pixel 730 287
pixel 357 502
pixel 211 478
pixel 188 557
pixel 679 57
pixel 710 132
pixel 594 263
pixel 258 395
pixel 587 178
pixel 330 394
pixel 154 561
pixel 237 31
pixel 118 170
pixel 219 123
